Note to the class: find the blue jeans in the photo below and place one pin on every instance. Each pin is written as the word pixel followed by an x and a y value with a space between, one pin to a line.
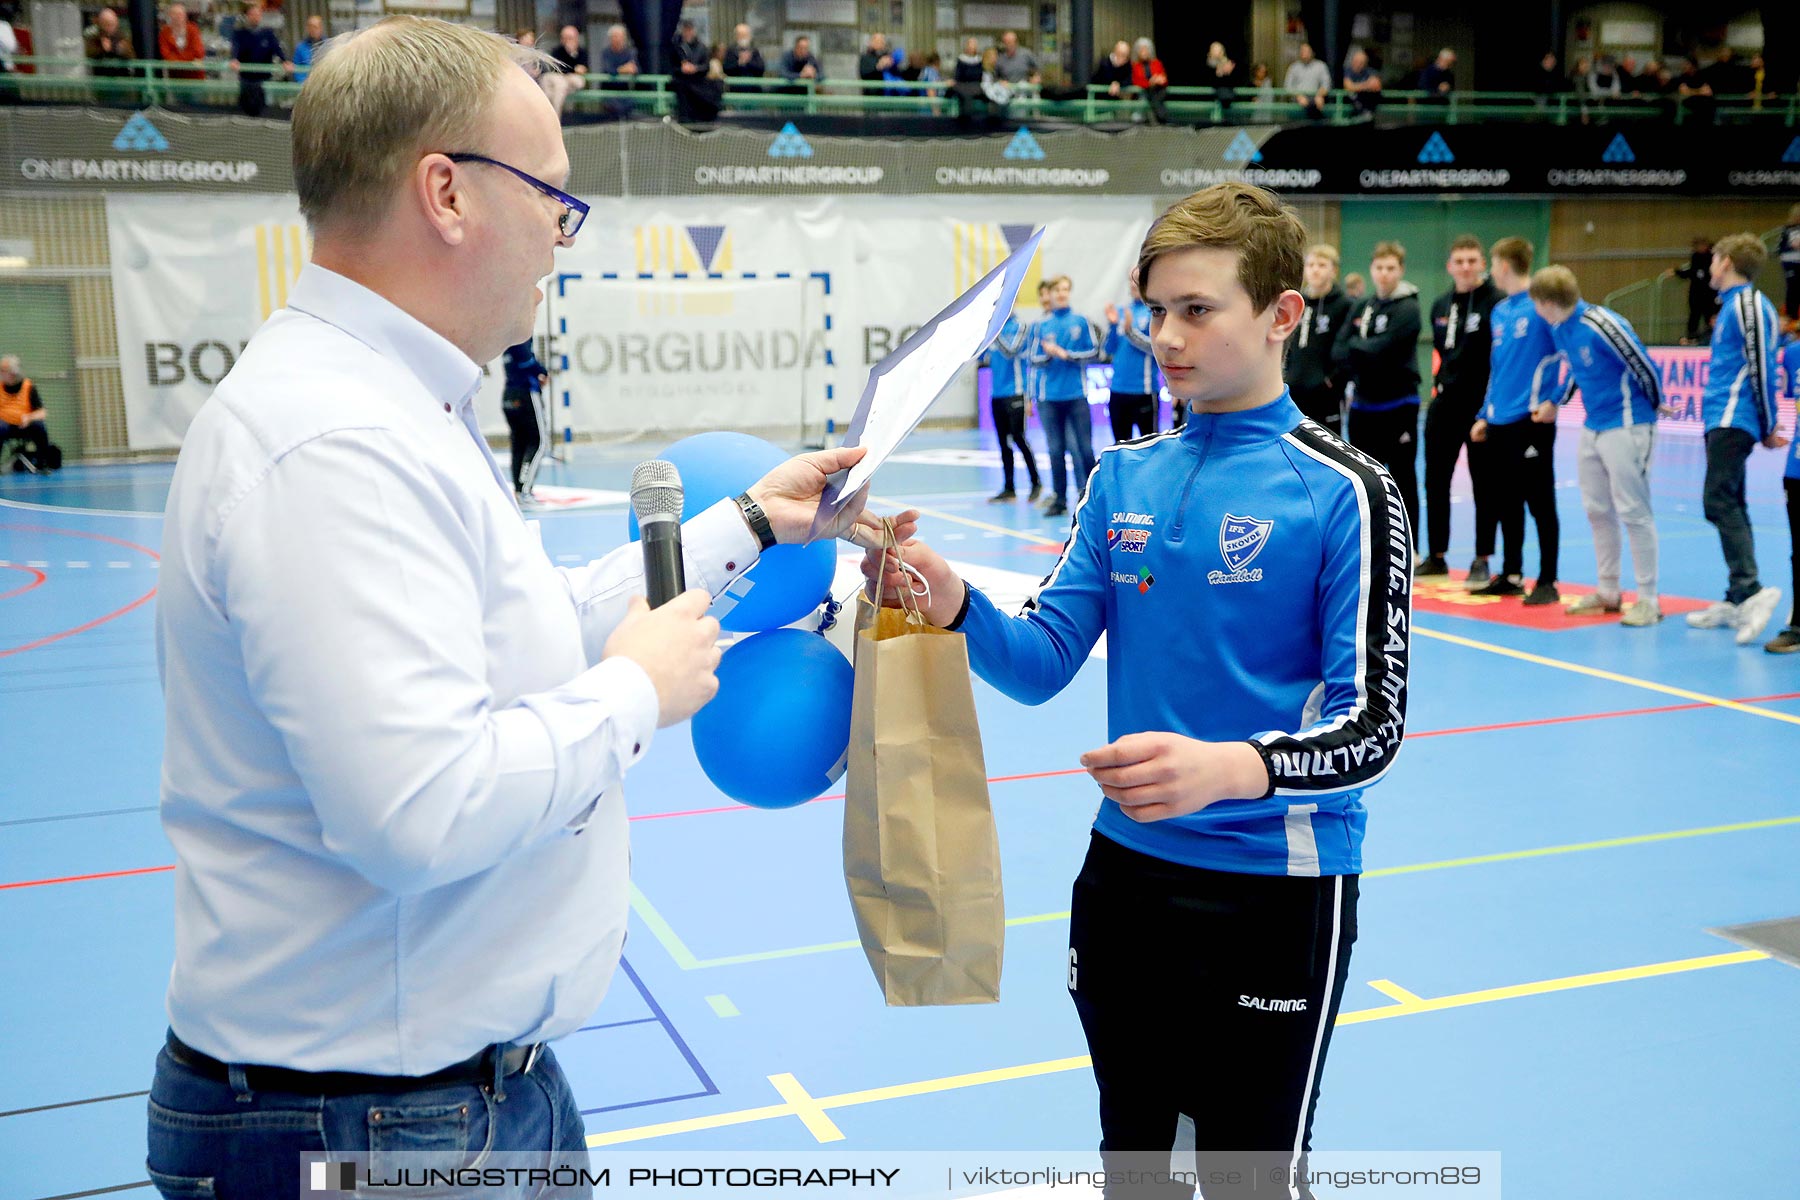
pixel 211 1139
pixel 1069 428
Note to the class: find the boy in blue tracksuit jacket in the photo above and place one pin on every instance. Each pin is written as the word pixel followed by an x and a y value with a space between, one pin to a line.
pixel 1065 343
pixel 1621 393
pixel 1738 407
pixel 1788 640
pixel 1518 423
pixel 1219 891
pixel 1005 360
pixel 1135 380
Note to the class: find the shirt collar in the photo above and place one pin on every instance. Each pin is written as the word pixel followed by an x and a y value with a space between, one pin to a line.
pixel 1245 427
pixel 447 374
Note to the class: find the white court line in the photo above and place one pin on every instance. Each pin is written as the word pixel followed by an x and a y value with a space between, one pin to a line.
pixel 80 512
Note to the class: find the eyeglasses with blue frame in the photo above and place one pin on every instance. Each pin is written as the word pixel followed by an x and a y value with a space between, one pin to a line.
pixel 574 211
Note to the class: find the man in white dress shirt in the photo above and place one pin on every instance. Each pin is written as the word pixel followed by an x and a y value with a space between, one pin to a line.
pixel 396 733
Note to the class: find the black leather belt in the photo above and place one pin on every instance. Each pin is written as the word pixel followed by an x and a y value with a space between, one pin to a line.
pixel 478 1068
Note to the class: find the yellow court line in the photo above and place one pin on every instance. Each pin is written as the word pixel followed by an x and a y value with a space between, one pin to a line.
pixel 1394 991
pixel 807 1109
pixel 1609 676
pixel 811 1110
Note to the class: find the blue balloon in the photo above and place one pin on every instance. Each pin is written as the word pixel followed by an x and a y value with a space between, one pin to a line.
pixel 787 582
pixel 778 732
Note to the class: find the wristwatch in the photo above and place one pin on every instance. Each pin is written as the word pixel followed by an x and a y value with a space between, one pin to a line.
pixel 757 520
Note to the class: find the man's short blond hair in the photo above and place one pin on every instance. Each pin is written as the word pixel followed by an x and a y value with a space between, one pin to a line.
pixel 1269 240
pixel 1746 252
pixel 382 97
pixel 1556 285
pixel 1325 251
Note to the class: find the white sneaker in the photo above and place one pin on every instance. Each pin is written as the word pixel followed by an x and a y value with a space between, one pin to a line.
pixel 1754 614
pixel 1720 614
pixel 1641 613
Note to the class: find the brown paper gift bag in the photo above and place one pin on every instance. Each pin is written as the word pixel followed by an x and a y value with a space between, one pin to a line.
pixel 921 854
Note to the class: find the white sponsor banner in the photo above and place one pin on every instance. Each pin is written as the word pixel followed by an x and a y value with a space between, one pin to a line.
pixel 194 277
pixel 687 356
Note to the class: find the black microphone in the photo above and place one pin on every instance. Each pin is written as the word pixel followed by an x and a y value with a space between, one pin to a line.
pixel 656 499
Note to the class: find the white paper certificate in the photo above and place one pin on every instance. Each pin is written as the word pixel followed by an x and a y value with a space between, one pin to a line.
pixel 904 385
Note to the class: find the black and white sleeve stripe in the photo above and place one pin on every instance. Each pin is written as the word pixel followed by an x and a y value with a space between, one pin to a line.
pixel 1624 345
pixel 1757 352
pixel 1357 747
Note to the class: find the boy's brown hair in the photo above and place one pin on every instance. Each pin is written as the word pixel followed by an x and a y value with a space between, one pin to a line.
pixel 1556 285
pixel 1465 241
pixel 1393 250
pixel 1745 251
pixel 1268 237
pixel 1515 253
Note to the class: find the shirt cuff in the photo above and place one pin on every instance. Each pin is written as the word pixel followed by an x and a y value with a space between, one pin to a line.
pixel 718 546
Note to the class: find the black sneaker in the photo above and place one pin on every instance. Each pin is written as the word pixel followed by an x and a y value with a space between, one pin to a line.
pixel 1785 642
pixel 1542 593
pixel 1058 509
pixel 1037 489
pixel 1501 585
pixel 1478 574
pixel 1432 564
pixel 1002 496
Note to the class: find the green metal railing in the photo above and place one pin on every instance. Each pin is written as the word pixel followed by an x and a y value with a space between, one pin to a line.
pixel 66 80
pixel 1657 307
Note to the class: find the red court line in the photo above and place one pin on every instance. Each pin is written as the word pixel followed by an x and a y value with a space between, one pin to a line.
pixel 37 577
pixel 111 616
pixel 740 808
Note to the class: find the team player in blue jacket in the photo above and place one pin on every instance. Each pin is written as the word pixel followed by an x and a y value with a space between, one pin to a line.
pixel 1135 379
pixel 1005 360
pixel 1252 575
pixel 1788 640
pixel 1738 407
pixel 1621 394
pixel 1064 343
pixel 1519 424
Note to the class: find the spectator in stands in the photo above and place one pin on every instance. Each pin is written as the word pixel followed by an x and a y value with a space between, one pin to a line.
pixel 1787 249
pixel 1603 81
pixel 572 57
pixel 931 72
pixel 799 65
pixel 307 52
pixel 526 38
pixel 108 48
pixel 1363 83
pixel 179 41
pixel 1114 71
pixel 22 414
pixel 966 79
pixel 1630 80
pixel 1695 88
pixel 1703 302
pixel 1549 80
pixel 697 98
pixel 1148 76
pixel 1264 83
pixel 618 56
pixel 875 62
pixel 1015 64
pixel 1221 74
pixel 1438 79
pixel 9 44
pixel 1728 76
pixel 257 47
pixel 742 59
pixel 1309 83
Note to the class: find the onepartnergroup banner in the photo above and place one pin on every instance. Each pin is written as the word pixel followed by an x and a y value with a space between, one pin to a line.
pixel 1019 1174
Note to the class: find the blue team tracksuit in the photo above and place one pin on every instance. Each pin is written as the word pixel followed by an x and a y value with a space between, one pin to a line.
pixel 1738 407
pixel 1062 395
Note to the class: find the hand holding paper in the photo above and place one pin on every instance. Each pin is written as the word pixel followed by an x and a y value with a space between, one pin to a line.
pixel 905 384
